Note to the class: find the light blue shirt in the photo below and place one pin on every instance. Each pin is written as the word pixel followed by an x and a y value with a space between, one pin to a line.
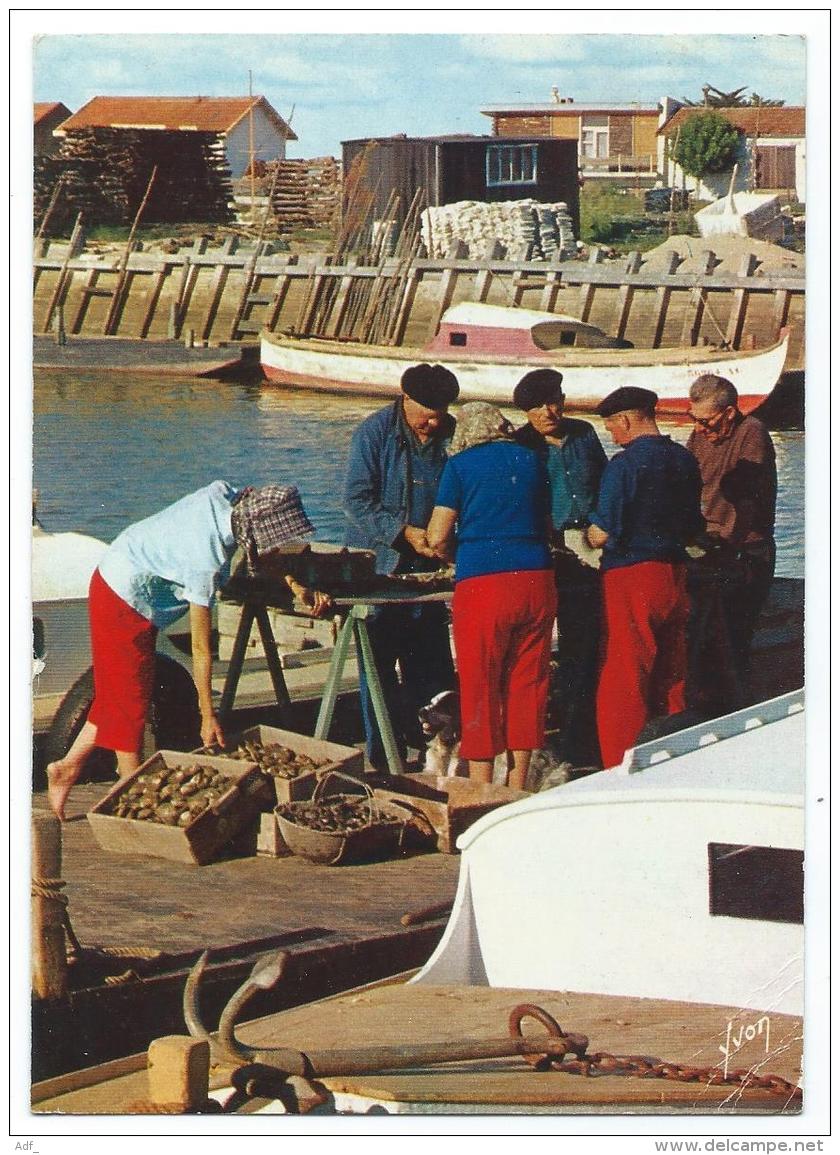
pixel 174 558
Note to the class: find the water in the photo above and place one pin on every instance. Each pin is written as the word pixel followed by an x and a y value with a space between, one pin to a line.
pixel 111 449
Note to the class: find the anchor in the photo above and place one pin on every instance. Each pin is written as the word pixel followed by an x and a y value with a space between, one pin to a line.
pixel 262 1071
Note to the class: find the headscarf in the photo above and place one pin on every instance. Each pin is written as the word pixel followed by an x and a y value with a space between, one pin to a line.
pixel 479 422
pixel 266 518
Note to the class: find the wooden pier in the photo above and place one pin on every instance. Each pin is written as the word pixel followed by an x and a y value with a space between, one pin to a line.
pixel 209 296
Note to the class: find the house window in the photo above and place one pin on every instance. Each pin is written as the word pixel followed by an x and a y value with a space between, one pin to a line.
pixel 594 137
pixel 511 164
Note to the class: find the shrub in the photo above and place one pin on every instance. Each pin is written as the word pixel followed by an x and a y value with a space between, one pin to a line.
pixel 707 143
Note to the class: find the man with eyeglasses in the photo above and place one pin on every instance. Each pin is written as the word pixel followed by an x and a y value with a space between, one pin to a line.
pixel 575 461
pixel 738 468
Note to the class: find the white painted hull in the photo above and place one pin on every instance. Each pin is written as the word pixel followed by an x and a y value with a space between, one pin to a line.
pixel 588 375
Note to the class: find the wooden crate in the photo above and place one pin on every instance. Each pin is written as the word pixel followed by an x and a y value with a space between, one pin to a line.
pixel 346 759
pixel 449 804
pixel 200 841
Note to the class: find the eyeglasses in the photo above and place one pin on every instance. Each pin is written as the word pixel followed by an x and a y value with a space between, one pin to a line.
pixel 710 423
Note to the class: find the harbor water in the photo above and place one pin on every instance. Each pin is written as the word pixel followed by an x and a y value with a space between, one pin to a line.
pixel 110 449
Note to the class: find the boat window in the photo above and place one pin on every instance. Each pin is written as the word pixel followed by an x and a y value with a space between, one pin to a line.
pixel 457 338
pixel 552 336
pixel 756 882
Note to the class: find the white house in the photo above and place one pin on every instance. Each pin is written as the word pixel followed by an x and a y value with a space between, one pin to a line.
pixel 771 154
pixel 248 125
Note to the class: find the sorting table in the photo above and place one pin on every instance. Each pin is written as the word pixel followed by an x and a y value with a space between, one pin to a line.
pixel 355 610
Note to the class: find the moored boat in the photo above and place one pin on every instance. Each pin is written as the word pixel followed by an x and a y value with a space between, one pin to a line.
pixel 490 347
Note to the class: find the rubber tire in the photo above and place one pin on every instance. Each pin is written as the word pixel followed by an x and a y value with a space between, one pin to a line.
pixel 174 718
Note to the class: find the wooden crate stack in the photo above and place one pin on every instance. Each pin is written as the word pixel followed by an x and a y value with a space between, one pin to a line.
pixel 107 171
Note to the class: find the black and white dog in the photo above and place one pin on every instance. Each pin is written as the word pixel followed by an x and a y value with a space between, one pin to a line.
pixel 440 722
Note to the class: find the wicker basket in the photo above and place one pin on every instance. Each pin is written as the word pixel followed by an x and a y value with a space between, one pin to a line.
pixel 381 837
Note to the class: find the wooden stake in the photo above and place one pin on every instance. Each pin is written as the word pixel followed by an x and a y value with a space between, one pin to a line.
pixel 663 298
pixel 625 295
pixel 112 320
pixel 740 299
pixel 49 950
pixel 702 296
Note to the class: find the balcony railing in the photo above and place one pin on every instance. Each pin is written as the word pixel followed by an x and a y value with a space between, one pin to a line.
pixel 644 163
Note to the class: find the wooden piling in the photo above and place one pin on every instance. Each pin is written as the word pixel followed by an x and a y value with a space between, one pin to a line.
pixel 625 295
pixel 587 289
pixel 65 274
pixel 49 950
pixel 709 261
pixel 663 299
pixel 217 288
pixel 448 282
pixel 738 310
pixel 484 277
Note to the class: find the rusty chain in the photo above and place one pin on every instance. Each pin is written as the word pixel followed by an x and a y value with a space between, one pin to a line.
pixel 641 1066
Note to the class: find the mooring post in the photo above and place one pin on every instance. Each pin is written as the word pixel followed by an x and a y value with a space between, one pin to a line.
pixel 49 951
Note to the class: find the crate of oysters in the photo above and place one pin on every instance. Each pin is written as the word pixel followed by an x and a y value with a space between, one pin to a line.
pixel 294 762
pixel 185 807
pixel 347 827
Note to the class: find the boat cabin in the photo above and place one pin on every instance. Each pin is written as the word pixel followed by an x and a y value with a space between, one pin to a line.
pixel 494 329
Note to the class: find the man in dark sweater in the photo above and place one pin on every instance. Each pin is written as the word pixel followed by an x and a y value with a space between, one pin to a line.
pixel 575 460
pixel 738 467
pixel 648 511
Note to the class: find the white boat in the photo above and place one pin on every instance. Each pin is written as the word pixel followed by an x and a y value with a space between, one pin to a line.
pixel 489 348
pixel 654 909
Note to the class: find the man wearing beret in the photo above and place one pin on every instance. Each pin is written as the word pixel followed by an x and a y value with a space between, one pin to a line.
pixel 397 457
pixel 648 511
pixel 575 460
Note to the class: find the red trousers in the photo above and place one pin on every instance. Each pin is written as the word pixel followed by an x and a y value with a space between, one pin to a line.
pixel 122 643
pixel 644 656
pixel 502 629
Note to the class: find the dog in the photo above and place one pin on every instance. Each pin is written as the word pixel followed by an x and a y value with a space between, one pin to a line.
pixel 440 722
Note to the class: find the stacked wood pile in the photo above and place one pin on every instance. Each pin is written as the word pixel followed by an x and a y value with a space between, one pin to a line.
pixel 106 171
pixel 543 230
pixel 307 193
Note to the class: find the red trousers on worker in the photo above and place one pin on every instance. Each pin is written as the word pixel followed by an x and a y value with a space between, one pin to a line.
pixel 122 644
pixel 643 667
pixel 502 629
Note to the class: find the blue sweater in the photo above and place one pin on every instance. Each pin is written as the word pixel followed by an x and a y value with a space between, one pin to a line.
pixel 500 492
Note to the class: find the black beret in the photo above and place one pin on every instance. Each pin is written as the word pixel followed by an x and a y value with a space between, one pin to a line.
pixel 628 397
pixel 432 386
pixel 538 388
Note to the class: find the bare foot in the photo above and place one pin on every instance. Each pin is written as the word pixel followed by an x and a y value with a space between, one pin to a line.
pixel 60 780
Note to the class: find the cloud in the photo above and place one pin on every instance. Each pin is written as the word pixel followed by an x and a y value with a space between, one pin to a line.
pixel 524 48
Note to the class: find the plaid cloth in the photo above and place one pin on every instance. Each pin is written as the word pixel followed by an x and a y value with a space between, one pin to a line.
pixel 267 518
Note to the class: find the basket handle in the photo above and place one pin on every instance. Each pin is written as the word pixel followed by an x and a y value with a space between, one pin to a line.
pixel 319 788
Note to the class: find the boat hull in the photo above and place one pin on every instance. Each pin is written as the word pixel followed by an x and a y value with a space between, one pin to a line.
pixel 587 377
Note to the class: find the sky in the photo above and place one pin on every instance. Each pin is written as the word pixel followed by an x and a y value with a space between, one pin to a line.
pixel 342 86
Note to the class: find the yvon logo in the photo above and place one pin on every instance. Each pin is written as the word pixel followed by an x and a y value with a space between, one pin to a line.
pixel 745 1034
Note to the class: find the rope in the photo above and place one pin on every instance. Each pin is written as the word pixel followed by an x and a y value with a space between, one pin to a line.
pixel 50 889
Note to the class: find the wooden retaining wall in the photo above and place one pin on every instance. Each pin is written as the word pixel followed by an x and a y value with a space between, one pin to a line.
pixel 230 292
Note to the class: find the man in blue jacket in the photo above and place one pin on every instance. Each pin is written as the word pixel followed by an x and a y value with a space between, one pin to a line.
pixel 575 460
pixel 396 460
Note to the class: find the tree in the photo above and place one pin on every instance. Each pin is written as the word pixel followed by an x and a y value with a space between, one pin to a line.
pixel 715 98
pixel 707 143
